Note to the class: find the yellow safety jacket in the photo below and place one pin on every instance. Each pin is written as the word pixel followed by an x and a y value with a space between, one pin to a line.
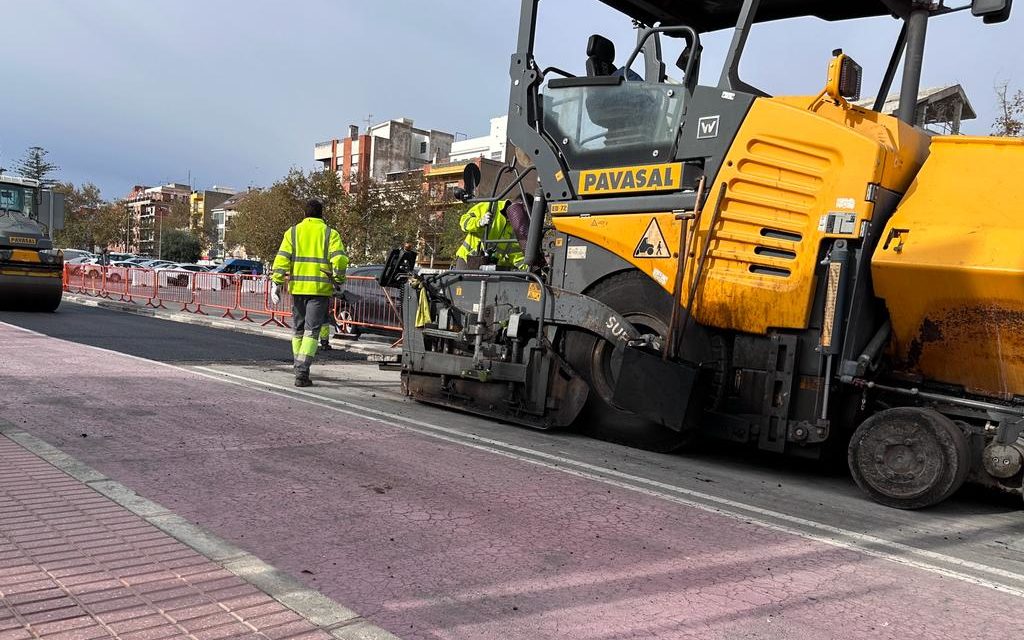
pixel 312 257
pixel 509 254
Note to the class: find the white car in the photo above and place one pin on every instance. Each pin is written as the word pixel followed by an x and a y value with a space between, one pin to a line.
pixel 177 274
pixel 76 254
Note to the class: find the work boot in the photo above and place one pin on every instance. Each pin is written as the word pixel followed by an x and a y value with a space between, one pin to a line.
pixel 303 381
pixel 325 345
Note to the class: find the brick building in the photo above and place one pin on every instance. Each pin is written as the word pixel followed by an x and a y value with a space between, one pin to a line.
pixel 392 147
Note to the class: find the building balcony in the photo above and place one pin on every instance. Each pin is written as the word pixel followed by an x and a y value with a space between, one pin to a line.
pixel 323 151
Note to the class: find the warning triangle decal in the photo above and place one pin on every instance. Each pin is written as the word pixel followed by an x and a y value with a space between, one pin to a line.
pixel 652 244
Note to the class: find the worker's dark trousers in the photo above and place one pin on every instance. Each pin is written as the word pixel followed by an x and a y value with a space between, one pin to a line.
pixel 309 313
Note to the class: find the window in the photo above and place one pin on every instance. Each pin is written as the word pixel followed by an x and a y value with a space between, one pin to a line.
pixel 613 125
pixel 14 198
pixel 423 147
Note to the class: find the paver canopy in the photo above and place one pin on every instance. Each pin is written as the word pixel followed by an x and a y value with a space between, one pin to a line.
pixel 710 15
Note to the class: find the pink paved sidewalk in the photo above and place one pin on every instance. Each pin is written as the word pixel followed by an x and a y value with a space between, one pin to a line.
pixel 435 540
pixel 76 565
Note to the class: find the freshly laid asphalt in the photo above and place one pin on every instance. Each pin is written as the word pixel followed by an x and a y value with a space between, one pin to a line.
pixel 154 339
pixel 441 525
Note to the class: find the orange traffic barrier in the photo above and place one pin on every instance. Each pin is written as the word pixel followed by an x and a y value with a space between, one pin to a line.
pixel 215 290
pixel 366 303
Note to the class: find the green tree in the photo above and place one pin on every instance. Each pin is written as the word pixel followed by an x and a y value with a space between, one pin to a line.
pixel 180 246
pixel 111 224
pixel 261 221
pixel 264 216
pixel 376 217
pixel 177 216
pixel 35 165
pixel 81 206
pixel 1010 121
pixel 89 222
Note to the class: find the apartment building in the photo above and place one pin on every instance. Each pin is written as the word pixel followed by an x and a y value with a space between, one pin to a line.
pixel 388 148
pixel 148 208
pixel 202 203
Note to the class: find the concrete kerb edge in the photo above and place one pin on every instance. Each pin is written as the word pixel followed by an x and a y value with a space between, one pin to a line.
pixel 233 325
pixel 330 616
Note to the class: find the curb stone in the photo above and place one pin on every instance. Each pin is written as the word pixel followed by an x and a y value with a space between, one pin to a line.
pixel 336 619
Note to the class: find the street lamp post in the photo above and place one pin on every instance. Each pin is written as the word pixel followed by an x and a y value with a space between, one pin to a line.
pixel 160 234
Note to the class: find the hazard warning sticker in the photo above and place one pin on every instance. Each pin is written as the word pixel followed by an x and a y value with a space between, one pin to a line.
pixel 652 244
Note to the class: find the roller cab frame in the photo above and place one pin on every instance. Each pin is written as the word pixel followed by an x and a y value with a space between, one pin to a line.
pixel 707 261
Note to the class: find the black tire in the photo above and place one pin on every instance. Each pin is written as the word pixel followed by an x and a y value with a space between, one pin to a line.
pixel 647 306
pixel 909 457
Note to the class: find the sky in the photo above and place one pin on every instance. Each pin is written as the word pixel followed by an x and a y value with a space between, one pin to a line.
pixel 233 93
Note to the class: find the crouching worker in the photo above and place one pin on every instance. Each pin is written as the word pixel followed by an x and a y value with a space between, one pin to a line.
pixel 312 260
pixel 487 221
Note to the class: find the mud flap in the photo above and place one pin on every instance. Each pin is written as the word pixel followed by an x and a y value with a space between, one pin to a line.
pixel 657 390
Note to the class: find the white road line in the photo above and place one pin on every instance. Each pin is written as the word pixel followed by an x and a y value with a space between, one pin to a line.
pixel 855 541
pixel 741 511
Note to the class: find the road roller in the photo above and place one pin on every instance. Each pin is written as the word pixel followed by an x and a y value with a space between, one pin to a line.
pixel 31 269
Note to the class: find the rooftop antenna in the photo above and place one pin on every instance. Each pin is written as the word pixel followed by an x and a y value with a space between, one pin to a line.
pixel 368 120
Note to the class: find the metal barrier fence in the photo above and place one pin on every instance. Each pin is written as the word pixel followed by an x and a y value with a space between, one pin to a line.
pixel 239 297
pixel 369 305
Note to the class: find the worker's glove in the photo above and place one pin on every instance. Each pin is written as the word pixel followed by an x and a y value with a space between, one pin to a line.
pixel 275 293
pixel 485 218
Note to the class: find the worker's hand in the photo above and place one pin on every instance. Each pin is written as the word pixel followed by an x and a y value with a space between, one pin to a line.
pixel 275 293
pixel 486 217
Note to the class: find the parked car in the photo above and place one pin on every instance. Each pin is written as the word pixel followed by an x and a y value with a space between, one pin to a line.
pixel 240 265
pixel 116 271
pixel 75 254
pixel 153 264
pixel 366 301
pixel 174 274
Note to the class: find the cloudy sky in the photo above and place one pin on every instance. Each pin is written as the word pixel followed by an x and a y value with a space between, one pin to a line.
pixel 234 93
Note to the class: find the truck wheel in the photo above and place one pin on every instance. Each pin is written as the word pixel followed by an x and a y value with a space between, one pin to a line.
pixel 908 457
pixel 640 301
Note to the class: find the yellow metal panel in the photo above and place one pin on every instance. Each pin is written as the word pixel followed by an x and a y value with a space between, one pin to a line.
pixel 952 275
pixel 787 170
pixel 905 147
pixel 649 177
pixel 24 255
pixel 455 169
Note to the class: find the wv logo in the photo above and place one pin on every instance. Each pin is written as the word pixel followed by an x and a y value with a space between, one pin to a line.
pixel 707 127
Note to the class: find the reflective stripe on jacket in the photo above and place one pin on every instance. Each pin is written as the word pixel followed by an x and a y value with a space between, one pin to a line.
pixel 509 254
pixel 313 258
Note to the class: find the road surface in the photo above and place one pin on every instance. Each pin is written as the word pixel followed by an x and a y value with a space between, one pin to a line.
pixel 441 525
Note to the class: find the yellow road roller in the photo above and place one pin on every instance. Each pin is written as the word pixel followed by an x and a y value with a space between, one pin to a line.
pixel 31 270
